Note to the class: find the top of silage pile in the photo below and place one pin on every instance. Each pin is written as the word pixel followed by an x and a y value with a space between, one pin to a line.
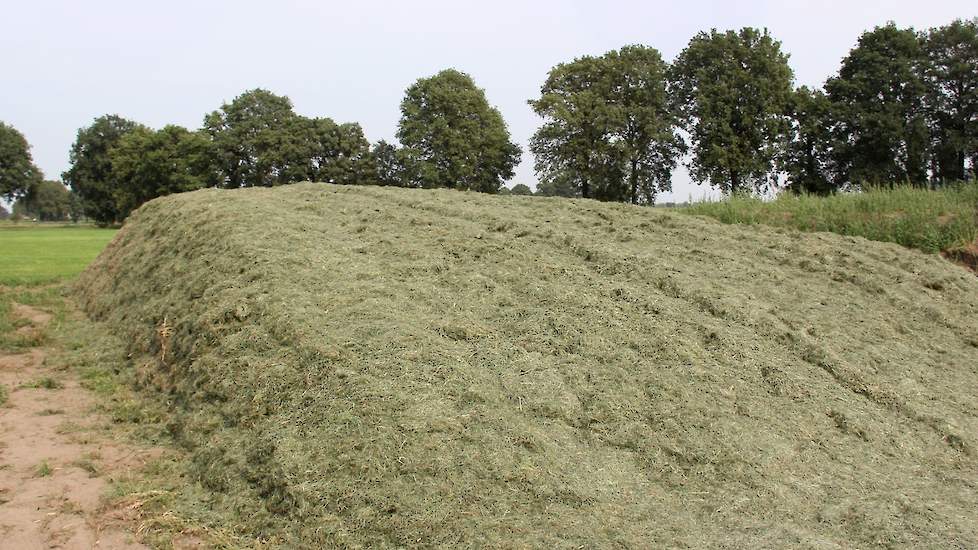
pixel 388 367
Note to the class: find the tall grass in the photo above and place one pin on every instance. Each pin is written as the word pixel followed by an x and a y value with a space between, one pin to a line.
pixel 930 220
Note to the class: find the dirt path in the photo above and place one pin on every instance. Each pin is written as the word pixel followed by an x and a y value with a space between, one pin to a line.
pixel 54 462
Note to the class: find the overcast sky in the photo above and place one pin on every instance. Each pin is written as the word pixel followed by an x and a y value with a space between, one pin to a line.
pixel 65 63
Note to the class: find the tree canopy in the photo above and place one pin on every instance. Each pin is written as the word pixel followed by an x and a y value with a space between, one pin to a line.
pixel 559 185
pixel 149 164
pixel 644 129
pixel 47 201
pixel 90 175
pixel 17 169
pixel 902 109
pixel 335 153
pixel 807 158
pixel 731 90
pixel 260 141
pixel 572 144
pixel 388 164
pixel 255 137
pixel 608 130
pixel 878 96
pixel 951 77
pixel 452 137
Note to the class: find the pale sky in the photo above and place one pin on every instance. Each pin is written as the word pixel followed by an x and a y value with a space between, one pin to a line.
pixel 65 63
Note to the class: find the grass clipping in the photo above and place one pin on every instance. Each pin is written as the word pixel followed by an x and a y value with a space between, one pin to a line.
pixel 356 366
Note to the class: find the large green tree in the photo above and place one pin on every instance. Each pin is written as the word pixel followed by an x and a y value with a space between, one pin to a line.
pixel 17 169
pixel 807 159
pixel 453 137
pixel 149 164
pixel 90 175
pixel 731 90
pixel 951 76
pixel 608 126
pixel 572 147
pixel 259 140
pixel 881 130
pixel 644 128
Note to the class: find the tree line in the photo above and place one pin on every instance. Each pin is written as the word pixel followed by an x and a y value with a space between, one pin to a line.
pixel 903 109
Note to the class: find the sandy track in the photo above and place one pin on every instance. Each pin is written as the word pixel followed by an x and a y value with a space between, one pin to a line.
pixel 54 462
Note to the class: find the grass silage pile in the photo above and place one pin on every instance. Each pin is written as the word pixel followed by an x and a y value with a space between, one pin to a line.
pixel 384 367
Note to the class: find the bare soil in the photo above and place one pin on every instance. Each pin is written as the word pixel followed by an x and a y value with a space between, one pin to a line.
pixel 54 462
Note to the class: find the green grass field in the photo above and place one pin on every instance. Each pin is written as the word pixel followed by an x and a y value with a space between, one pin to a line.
pixel 925 219
pixel 41 253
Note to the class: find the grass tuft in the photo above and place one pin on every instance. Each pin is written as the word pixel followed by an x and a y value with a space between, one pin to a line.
pixel 43 469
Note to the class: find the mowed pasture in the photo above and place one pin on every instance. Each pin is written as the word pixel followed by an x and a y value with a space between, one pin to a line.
pixel 36 253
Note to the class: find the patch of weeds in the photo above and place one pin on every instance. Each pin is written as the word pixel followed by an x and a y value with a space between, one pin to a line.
pixel 45 383
pixel 50 412
pixel 98 380
pixel 4 395
pixel 43 469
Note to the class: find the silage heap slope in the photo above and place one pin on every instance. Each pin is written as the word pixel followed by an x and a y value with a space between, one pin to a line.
pixel 358 365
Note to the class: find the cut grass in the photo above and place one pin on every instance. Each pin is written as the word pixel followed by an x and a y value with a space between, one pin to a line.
pixel 47 297
pixel 929 220
pixel 41 253
pixel 369 367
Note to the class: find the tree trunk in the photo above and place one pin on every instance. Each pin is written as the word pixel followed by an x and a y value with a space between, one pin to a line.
pixel 633 178
pixel 585 188
pixel 734 182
